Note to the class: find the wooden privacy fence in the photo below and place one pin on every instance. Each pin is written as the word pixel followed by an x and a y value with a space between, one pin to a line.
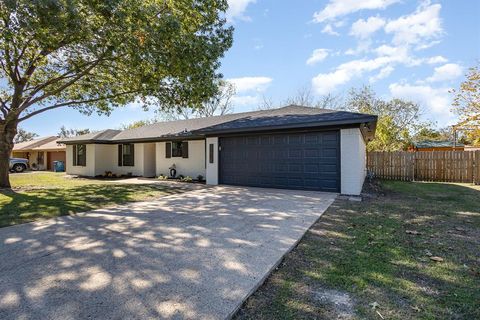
pixel 444 166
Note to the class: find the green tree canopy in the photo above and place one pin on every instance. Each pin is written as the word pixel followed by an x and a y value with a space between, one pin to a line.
pixel 466 104
pixel 97 55
pixel 398 120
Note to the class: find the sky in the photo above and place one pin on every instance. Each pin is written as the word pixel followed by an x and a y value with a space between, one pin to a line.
pixel 415 50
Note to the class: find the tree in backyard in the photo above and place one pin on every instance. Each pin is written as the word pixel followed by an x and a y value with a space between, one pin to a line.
pixel 219 104
pixel 466 104
pixel 398 120
pixel 138 124
pixel 305 98
pixel 66 133
pixel 23 135
pixel 94 56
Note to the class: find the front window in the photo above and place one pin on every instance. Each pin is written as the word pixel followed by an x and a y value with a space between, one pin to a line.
pixel 177 149
pixel 126 155
pixel 40 158
pixel 80 155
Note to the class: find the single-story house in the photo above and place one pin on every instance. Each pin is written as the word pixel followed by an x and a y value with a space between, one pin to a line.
pixel 41 152
pixel 433 145
pixel 292 147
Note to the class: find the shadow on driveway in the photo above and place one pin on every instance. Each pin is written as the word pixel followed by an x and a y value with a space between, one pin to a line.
pixel 195 255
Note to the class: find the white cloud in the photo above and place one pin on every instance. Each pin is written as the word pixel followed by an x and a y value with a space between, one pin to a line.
pixel 364 28
pixel 384 72
pixel 436 100
pixel 446 72
pixel 328 29
pixel 317 56
pixel 247 100
pixel 338 8
pixel 436 59
pixel 325 83
pixel 237 8
pixel 249 84
pixel 426 45
pixel 399 54
pixel 249 90
pixel 424 24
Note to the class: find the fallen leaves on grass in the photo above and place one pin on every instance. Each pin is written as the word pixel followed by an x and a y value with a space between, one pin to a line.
pixel 413 232
pixel 436 259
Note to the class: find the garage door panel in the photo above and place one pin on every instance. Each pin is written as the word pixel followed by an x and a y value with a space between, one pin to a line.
pixel 296 161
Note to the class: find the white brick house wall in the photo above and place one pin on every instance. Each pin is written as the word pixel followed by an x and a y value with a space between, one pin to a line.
pixel 353 161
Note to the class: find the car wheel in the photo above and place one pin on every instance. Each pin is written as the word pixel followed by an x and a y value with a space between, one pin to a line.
pixel 19 168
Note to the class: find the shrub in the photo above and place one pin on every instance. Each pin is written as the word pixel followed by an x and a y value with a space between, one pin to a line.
pixel 200 177
pixel 187 179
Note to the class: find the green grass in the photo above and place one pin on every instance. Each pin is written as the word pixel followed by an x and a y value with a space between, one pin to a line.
pixel 37 196
pixel 363 250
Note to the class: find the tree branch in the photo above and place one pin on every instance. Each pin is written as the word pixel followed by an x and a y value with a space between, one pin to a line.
pixel 69 103
pixel 27 102
pixel 66 75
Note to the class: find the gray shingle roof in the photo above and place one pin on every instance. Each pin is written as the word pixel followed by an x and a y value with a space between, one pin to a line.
pixel 28 145
pixel 290 116
pixel 98 136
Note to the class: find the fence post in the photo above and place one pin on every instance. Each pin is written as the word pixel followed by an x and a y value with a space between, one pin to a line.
pixel 476 167
pixel 413 160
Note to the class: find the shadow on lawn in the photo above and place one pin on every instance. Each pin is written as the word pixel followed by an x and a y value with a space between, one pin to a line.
pixel 364 250
pixel 29 205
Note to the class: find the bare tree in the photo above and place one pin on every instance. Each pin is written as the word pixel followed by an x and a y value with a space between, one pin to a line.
pixel 23 135
pixel 220 104
pixel 266 104
pixel 66 133
pixel 303 97
pixel 330 101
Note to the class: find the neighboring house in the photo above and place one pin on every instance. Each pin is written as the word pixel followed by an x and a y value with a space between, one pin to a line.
pixel 41 153
pixel 432 145
pixel 292 147
pixel 472 148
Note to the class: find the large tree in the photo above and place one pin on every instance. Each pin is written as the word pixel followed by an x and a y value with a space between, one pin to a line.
pixel 398 120
pixel 94 55
pixel 466 104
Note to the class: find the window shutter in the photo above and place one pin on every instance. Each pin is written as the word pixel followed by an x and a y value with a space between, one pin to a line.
pixel 120 155
pixel 74 155
pixel 185 149
pixel 210 151
pixel 132 151
pixel 168 150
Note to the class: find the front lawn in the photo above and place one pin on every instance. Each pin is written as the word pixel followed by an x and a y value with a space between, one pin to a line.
pixel 45 195
pixel 411 251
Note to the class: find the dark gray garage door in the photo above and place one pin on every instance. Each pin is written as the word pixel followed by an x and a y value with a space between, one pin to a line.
pixel 309 161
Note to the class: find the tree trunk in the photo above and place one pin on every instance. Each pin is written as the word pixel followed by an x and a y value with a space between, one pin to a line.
pixel 7 133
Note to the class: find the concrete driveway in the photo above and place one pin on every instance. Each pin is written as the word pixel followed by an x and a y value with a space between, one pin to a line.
pixel 195 255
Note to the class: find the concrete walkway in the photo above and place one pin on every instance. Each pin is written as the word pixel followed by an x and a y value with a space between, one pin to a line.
pixel 195 255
